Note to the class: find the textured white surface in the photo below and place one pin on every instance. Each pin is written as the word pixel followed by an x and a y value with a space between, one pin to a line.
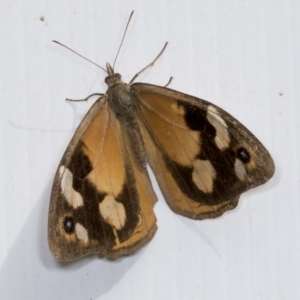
pixel 241 55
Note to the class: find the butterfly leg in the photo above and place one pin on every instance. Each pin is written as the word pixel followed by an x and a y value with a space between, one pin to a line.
pixel 87 98
pixel 149 65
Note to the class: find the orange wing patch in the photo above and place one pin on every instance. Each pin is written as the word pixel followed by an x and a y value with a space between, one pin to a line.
pixel 165 118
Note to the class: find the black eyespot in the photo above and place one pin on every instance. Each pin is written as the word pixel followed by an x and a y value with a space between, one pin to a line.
pixel 69 225
pixel 243 155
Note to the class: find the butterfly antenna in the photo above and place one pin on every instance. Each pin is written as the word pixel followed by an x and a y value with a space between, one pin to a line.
pixel 123 39
pixel 79 55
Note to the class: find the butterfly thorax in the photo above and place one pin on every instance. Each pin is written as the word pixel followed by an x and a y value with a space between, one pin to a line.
pixel 118 93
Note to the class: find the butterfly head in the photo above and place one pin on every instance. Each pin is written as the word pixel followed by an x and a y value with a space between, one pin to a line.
pixel 112 78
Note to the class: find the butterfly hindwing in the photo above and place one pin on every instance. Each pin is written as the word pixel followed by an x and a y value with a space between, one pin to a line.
pixel 202 157
pixel 102 199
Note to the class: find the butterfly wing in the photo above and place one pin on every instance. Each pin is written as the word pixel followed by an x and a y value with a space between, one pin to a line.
pixel 102 199
pixel 202 157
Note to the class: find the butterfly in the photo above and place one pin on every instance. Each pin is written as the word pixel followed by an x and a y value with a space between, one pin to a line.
pixel 102 198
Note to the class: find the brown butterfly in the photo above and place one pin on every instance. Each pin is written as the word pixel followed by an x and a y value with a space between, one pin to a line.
pixel 102 198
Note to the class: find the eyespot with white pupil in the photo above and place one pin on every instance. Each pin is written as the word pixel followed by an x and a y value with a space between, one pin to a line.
pixel 243 155
pixel 69 225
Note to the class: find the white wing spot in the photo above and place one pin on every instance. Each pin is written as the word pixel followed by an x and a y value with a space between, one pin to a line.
pixel 73 198
pixel 240 170
pixel 204 175
pixel 212 109
pixel 222 138
pixel 140 221
pixel 113 212
pixel 81 233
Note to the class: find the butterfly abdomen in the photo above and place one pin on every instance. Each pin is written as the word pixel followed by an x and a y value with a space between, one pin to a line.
pixel 136 142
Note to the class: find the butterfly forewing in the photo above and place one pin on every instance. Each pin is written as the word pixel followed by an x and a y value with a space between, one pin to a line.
pixel 201 156
pixel 102 199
